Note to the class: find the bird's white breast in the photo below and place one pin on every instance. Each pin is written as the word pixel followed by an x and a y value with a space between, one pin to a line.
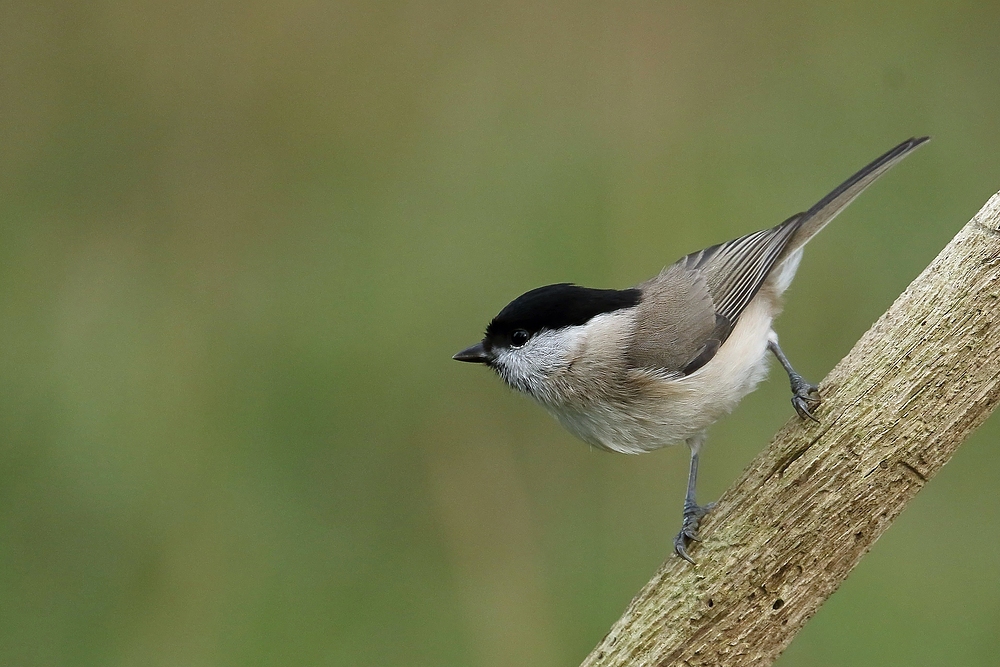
pixel 633 411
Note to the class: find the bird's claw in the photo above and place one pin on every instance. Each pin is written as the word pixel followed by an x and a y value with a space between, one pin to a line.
pixel 805 399
pixel 693 514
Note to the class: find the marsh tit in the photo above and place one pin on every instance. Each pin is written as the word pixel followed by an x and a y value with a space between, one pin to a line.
pixel 637 369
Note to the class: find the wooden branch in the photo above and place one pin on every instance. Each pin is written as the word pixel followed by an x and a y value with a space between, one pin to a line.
pixel 813 503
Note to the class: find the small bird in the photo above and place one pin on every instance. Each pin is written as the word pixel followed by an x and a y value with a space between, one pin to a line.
pixel 637 369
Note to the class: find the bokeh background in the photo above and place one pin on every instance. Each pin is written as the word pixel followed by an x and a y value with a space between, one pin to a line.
pixel 239 243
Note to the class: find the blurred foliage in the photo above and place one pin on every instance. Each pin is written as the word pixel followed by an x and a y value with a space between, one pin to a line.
pixel 240 242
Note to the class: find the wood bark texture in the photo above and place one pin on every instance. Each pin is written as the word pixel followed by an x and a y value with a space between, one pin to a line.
pixel 810 506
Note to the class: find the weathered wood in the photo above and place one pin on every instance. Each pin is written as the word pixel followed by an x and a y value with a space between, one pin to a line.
pixel 809 507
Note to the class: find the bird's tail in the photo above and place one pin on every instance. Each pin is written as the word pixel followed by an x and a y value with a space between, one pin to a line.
pixel 826 209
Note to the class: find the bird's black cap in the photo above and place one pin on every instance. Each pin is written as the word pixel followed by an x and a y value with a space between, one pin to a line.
pixel 557 306
pixel 550 307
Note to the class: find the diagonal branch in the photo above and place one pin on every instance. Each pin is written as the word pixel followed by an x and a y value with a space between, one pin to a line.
pixel 813 503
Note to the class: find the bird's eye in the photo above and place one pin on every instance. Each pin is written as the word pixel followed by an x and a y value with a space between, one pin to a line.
pixel 518 338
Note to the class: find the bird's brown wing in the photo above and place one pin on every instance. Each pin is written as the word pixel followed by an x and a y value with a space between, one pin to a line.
pixel 688 311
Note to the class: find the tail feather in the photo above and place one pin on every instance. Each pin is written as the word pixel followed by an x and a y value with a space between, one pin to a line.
pixel 826 209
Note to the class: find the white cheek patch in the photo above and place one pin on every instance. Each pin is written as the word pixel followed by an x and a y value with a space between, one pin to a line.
pixel 527 368
pixel 542 367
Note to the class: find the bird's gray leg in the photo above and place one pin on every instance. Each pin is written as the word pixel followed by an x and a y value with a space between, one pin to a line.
pixel 805 396
pixel 693 512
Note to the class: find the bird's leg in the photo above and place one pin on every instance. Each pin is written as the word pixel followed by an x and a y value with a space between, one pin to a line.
pixel 805 396
pixel 693 512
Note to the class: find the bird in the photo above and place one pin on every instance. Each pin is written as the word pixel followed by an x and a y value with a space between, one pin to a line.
pixel 633 370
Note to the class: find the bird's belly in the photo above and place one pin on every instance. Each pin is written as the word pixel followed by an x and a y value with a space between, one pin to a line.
pixel 633 431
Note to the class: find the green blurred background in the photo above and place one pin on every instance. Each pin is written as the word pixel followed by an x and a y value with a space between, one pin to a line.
pixel 240 242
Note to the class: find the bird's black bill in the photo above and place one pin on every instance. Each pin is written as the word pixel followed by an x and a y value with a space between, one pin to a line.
pixel 475 354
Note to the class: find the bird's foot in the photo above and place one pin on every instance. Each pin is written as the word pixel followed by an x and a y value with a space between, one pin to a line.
pixel 805 398
pixel 693 514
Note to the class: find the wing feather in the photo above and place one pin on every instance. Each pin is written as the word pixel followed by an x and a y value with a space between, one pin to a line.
pixel 689 310
pixel 736 270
